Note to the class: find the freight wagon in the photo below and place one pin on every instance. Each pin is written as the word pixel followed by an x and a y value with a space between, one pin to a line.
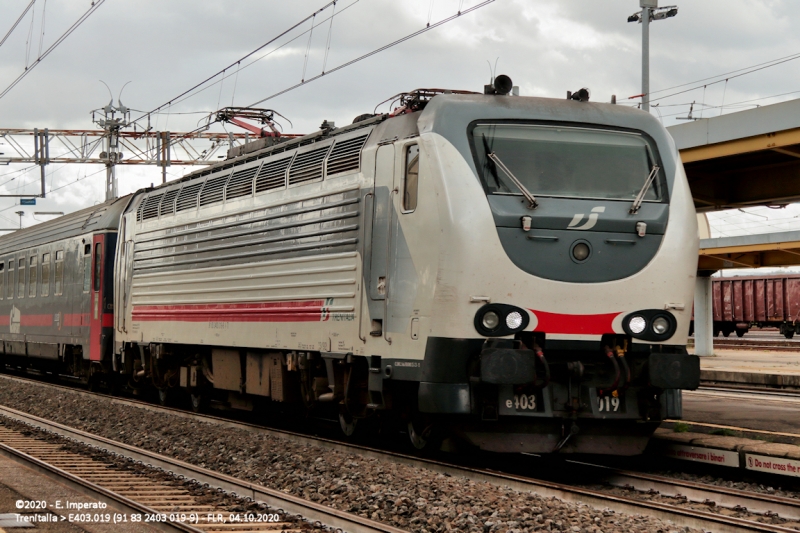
pixel 766 301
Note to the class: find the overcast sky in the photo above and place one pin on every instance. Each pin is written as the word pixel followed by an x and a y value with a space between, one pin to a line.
pixel 546 46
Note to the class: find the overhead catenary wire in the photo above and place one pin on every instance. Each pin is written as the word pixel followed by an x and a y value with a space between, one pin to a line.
pixel 376 51
pixel 339 67
pixel 14 26
pixel 250 54
pixel 777 61
pixel 188 94
pixel 169 103
pixel 95 5
pixel 790 58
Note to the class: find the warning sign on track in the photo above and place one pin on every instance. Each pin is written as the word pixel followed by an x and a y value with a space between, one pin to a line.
pixel 773 465
pixel 703 455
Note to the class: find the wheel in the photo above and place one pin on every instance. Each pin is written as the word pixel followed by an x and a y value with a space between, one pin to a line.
pixel 740 332
pixel 198 402
pixel 348 424
pixel 93 383
pixel 163 397
pixel 789 333
pixel 726 333
pixel 423 435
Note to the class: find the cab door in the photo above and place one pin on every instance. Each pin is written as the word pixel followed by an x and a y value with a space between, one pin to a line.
pixel 381 226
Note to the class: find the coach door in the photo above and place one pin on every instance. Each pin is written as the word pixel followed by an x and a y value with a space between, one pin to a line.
pixel 380 239
pixel 96 298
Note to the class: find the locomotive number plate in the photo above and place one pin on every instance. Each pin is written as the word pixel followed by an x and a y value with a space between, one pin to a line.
pixel 610 404
pixel 524 402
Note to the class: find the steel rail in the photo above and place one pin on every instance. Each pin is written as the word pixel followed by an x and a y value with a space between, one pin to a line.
pixel 112 499
pixel 334 518
pixel 698 492
pixel 683 516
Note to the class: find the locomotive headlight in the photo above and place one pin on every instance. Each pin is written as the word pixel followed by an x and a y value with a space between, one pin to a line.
pixel 637 324
pixel 650 325
pixel 660 325
pixel 490 320
pixel 499 320
pixel 513 320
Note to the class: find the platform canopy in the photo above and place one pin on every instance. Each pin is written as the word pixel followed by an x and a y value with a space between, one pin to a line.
pixel 750 251
pixel 742 159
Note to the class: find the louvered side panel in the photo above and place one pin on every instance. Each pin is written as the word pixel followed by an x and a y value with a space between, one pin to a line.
pixel 241 183
pixel 213 190
pixel 272 175
pixel 150 209
pixel 168 203
pixel 187 199
pixel 308 166
pixel 346 155
pixel 307 227
pixel 291 303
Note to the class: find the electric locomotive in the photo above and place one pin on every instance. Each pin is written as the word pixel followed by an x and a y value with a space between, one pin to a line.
pixel 516 272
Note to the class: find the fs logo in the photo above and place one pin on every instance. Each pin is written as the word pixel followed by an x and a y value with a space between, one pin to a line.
pixel 589 223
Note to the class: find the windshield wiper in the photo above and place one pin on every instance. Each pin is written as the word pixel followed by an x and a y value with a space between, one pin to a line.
pixel 637 203
pixel 533 204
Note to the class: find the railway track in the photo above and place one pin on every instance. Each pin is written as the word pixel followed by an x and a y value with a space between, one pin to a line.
pixel 157 493
pixel 692 504
pixel 756 344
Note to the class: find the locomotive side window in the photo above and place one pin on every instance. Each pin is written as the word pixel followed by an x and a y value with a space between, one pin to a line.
pixel 2 278
pixel 87 267
pixel 33 273
pixel 58 290
pixel 21 278
pixel 10 284
pixel 98 263
pixel 45 275
pixel 411 181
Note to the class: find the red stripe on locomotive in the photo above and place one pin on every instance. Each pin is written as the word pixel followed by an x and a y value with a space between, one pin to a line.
pixel 305 311
pixel 574 324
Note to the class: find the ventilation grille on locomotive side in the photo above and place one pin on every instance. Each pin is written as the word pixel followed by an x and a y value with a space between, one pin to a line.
pixel 168 203
pixel 272 175
pixel 213 190
pixel 241 183
pixel 308 166
pixel 346 155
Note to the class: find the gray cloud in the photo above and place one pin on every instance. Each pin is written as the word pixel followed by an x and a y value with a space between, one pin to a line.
pixel 546 46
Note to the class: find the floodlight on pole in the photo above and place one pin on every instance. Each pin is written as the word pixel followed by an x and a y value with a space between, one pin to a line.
pixel 650 11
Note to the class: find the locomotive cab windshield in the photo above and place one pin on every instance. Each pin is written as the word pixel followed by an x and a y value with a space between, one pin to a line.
pixel 570 162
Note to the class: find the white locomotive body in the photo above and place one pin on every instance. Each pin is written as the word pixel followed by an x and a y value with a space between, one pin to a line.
pixel 395 267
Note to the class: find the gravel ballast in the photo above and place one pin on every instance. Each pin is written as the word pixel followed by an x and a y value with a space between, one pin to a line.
pixel 407 497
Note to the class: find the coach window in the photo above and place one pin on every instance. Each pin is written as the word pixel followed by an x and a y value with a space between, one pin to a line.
pixel 411 181
pixel 10 284
pixel 45 275
pixel 58 290
pixel 2 279
pixel 33 273
pixel 98 262
pixel 21 278
pixel 87 267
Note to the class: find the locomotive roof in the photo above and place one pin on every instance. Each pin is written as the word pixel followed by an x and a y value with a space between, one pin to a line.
pixel 98 217
pixel 283 146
